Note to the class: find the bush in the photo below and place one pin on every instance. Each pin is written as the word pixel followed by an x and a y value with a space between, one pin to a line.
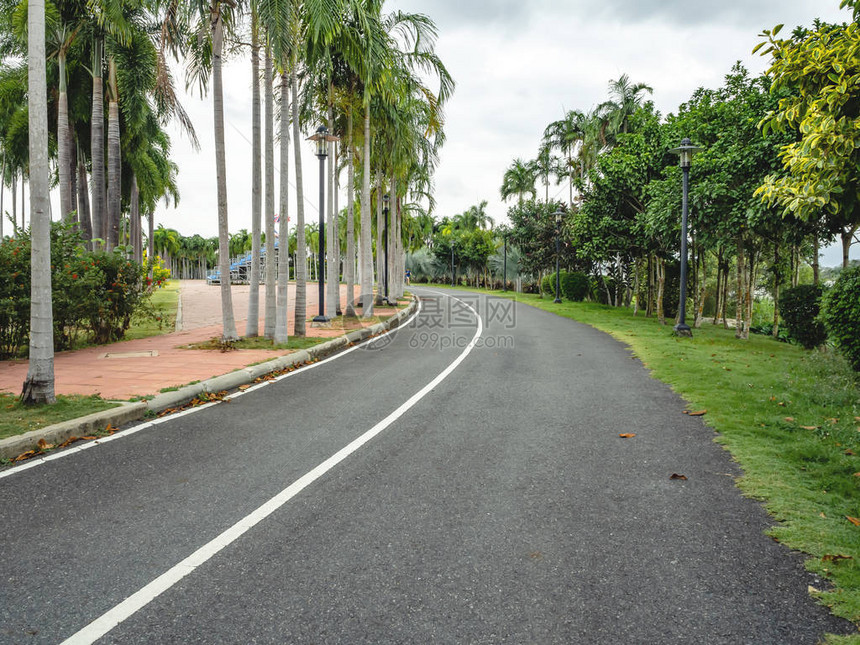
pixel 547 285
pixel 799 307
pixel 841 314
pixel 574 285
pixel 95 294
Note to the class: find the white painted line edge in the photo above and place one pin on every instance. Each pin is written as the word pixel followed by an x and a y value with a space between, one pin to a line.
pixel 107 621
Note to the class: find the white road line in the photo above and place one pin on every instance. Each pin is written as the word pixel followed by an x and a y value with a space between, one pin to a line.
pixel 102 625
pixel 32 463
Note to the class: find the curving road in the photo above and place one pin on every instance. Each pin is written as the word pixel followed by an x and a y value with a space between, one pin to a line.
pixel 459 481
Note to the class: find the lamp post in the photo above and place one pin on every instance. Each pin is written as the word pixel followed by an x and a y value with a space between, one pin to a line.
pixel 685 151
pixel 385 199
pixel 558 215
pixel 322 138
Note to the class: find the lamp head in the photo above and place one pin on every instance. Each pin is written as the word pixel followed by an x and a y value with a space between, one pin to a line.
pixel 321 138
pixel 686 151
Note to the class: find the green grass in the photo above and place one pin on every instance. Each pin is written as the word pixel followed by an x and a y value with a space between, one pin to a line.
pixel 165 303
pixel 789 417
pixel 260 342
pixel 17 419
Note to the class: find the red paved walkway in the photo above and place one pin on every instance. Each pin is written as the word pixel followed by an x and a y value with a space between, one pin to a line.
pixel 141 367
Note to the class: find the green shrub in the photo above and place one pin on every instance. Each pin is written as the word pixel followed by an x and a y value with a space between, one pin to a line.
pixel 14 295
pixel 841 313
pixel 94 294
pixel 574 285
pixel 547 285
pixel 799 307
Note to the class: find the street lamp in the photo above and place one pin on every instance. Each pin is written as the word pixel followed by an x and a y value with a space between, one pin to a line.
pixel 685 151
pixel 322 138
pixel 385 199
pixel 558 215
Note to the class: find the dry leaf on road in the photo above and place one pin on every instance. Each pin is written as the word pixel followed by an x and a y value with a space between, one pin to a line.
pixel 627 435
pixel 677 476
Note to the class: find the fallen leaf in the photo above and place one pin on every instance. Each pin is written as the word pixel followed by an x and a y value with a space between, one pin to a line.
pixel 698 413
pixel 44 445
pixel 110 429
pixel 627 435
pixel 853 520
pixel 836 557
pixel 849 452
pixel 242 388
pixel 857 474
pixel 677 476
pixel 809 427
pixel 25 455
pixel 68 442
pixel 812 589
pixel 833 420
pixel 822 515
pixel 89 437
pixel 781 403
pixel 789 419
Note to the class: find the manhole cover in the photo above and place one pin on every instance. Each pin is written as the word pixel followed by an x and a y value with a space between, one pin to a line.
pixel 146 354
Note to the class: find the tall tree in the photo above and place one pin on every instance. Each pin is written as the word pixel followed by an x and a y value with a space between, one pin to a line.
pixel 39 386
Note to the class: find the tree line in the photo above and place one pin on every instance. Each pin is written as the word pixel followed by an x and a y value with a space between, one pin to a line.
pixel 93 99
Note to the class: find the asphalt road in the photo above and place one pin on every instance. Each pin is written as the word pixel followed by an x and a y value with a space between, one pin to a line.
pixel 497 504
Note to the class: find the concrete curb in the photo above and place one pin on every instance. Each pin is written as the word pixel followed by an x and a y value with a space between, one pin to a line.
pixel 59 432
pixel 128 412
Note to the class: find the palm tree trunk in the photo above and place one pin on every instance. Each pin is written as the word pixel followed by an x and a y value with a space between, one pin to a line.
pixel 366 251
pixel 134 214
pixel 301 248
pixel 114 165
pixel 253 326
pixel 151 252
pixel 283 224
pixel 228 333
pixel 97 144
pixel 39 386
pixel 84 198
pixel 349 263
pixel 2 192
pixel 63 163
pixel 271 266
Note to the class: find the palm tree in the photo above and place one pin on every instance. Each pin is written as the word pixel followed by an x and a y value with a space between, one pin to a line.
pixel 567 135
pixel 625 99
pixel 283 223
pixel 39 386
pixel 213 15
pixel 252 328
pixel 519 180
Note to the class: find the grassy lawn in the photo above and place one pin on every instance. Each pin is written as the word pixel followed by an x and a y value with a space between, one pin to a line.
pixel 165 303
pixel 789 417
pixel 260 342
pixel 17 419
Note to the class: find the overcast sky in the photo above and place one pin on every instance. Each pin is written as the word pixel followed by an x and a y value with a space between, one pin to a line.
pixel 518 65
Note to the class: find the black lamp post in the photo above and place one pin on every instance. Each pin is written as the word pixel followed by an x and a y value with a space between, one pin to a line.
pixel 322 138
pixel 385 199
pixel 685 151
pixel 558 215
